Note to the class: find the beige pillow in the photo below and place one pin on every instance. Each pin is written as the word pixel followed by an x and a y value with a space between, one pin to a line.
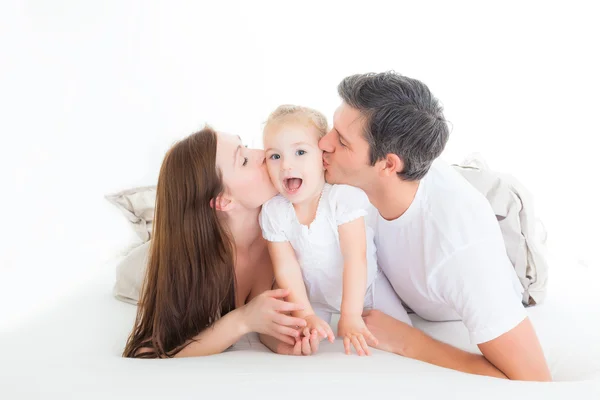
pixel 137 204
pixel 131 272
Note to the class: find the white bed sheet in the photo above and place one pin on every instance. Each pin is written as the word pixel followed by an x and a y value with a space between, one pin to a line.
pixel 72 351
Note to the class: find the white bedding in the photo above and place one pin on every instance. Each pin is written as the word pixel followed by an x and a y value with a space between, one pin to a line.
pixel 72 351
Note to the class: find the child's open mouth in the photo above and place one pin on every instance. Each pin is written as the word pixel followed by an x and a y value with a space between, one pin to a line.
pixel 292 185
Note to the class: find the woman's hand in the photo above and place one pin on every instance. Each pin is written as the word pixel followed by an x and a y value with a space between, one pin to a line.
pixel 266 314
pixel 353 329
pixel 305 346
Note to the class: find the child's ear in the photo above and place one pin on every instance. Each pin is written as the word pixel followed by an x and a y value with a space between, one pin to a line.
pixel 222 203
pixel 391 165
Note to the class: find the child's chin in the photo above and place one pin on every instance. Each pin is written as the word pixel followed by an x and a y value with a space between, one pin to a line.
pixel 293 197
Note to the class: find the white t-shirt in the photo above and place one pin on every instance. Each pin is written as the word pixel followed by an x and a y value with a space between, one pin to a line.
pixel 317 246
pixel 446 259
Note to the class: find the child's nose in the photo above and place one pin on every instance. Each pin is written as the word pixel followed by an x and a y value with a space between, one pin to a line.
pixel 285 164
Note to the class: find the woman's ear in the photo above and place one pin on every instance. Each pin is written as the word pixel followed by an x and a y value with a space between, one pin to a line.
pixel 391 165
pixel 222 203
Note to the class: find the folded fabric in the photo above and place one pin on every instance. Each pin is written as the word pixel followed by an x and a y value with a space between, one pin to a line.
pixel 131 271
pixel 524 241
pixel 137 204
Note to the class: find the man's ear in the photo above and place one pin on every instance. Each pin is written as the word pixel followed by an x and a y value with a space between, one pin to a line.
pixel 391 165
pixel 222 203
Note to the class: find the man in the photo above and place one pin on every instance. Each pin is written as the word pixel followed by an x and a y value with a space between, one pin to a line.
pixel 438 241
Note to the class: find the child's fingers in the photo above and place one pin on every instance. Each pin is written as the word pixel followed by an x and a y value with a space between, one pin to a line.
pixel 357 345
pixel 306 331
pixel 297 350
pixel 314 342
pixel 364 345
pixel 306 350
pixel 347 345
pixel 322 332
pixel 330 334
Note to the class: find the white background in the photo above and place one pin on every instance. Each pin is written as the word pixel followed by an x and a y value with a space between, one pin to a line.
pixel 92 94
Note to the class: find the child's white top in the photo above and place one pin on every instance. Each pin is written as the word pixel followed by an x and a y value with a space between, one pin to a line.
pixel 317 246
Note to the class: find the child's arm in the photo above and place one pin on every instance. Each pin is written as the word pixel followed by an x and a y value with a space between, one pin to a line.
pixel 289 276
pixel 353 244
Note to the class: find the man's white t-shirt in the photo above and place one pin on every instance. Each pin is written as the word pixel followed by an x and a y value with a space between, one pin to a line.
pixel 445 257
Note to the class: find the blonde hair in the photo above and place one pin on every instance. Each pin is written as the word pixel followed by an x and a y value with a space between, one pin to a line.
pixel 310 115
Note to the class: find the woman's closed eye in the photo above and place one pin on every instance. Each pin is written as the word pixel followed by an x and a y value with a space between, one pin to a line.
pixel 245 161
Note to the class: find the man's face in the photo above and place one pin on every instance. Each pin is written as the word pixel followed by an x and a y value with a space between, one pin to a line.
pixel 345 150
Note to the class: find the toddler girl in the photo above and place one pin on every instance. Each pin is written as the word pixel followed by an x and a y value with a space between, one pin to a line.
pixel 320 245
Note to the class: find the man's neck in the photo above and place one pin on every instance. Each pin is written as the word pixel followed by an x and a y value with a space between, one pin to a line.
pixel 392 196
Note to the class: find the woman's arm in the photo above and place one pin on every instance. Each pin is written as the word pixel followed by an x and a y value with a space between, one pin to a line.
pixel 225 332
pixel 265 314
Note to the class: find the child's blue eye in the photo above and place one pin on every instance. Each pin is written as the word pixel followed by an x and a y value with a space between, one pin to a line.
pixel 300 152
pixel 275 157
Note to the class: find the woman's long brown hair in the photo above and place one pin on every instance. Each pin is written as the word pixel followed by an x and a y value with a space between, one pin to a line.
pixel 190 279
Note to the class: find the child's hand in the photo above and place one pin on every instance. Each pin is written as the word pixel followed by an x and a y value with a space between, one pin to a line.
pixel 315 323
pixel 353 329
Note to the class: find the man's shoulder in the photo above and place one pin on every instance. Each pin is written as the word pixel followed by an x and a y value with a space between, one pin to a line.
pixel 454 207
pixel 448 192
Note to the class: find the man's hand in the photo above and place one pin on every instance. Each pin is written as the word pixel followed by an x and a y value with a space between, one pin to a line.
pixel 391 334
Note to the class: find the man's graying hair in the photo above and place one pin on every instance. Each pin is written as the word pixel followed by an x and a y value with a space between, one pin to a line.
pixel 401 117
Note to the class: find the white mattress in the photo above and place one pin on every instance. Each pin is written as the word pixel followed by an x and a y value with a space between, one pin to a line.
pixel 72 351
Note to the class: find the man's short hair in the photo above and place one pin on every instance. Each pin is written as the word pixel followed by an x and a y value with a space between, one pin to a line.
pixel 401 117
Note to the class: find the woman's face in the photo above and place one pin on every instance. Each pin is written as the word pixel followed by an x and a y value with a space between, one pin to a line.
pixel 244 172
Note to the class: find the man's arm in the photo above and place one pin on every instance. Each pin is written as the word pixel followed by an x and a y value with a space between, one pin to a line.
pixel 516 354
pixel 397 337
pixel 480 284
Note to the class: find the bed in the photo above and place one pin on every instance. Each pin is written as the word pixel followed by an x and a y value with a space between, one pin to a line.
pixel 73 351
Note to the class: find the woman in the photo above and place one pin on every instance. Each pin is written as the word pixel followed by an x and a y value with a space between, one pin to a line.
pixel 209 275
